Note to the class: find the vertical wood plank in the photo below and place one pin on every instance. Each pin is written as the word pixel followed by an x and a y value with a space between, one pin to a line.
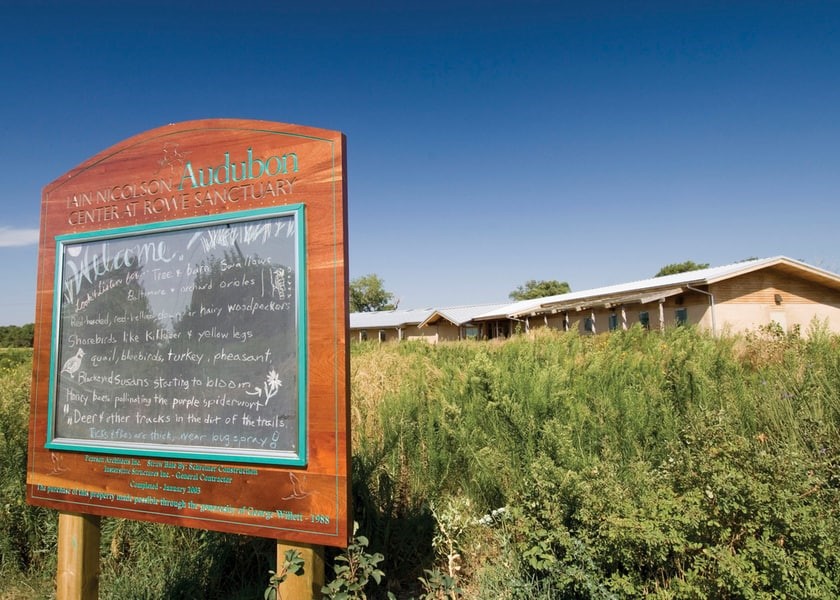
pixel 78 557
pixel 661 315
pixel 308 585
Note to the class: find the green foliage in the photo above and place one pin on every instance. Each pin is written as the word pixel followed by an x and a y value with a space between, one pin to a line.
pixel 539 289
pixel 723 516
pixel 367 294
pixel 17 336
pixel 148 561
pixel 27 534
pixel 627 465
pixel 682 267
pixel 13 357
pixel 453 524
pixel 438 585
pixel 292 565
pixel 354 569
pixel 632 464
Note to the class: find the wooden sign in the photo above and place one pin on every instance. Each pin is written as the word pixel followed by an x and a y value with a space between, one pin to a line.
pixel 191 333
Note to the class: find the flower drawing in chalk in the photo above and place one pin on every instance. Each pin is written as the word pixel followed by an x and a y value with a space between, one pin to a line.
pixel 270 387
pixel 273 381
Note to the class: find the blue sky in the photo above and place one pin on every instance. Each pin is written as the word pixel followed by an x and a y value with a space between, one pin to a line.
pixel 488 143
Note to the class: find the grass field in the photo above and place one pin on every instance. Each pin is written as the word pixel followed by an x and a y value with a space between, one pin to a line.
pixel 625 465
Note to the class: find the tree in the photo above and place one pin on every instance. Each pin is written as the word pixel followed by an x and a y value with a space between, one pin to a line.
pixel 682 267
pixel 14 336
pixel 367 294
pixel 539 289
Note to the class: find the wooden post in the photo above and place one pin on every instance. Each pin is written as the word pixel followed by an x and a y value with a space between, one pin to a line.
pixel 78 557
pixel 662 315
pixel 307 586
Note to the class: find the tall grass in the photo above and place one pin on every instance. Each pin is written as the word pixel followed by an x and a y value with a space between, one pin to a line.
pixel 552 465
pixel 27 534
pixel 467 417
pixel 600 428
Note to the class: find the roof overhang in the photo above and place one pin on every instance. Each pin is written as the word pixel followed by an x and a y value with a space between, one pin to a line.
pixel 636 297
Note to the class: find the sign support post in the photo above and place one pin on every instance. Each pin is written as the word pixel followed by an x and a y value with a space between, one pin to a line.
pixel 306 586
pixel 78 557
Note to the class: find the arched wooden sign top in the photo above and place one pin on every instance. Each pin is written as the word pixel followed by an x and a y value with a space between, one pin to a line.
pixel 191 333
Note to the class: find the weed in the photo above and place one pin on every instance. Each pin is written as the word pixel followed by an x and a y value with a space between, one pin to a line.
pixel 354 570
pixel 292 565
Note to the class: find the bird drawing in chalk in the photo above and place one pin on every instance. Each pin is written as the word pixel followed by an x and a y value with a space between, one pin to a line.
pixel 73 363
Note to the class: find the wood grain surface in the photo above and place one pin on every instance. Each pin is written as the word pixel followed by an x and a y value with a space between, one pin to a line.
pixel 145 180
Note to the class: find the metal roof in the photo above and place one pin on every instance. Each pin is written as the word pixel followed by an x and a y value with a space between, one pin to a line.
pixel 458 315
pixel 654 287
pixel 389 318
pixel 644 290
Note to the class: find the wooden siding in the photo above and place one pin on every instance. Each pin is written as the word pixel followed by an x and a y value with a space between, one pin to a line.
pixel 761 287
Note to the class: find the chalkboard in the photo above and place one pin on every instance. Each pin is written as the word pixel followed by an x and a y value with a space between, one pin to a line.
pixel 183 339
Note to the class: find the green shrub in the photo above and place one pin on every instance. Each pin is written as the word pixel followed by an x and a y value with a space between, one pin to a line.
pixel 723 516
pixel 632 464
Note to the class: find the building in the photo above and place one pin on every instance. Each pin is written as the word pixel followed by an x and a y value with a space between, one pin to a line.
pixel 387 325
pixel 431 325
pixel 728 299
pixel 459 323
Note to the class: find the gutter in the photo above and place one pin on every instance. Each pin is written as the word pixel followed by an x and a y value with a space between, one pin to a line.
pixel 711 305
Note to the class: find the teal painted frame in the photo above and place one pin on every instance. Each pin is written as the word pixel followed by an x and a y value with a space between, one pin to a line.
pixel 200 452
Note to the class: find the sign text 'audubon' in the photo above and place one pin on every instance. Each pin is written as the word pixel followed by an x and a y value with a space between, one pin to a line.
pixel 236 172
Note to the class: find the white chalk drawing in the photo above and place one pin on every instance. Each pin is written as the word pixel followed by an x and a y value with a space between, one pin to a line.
pixel 278 283
pixel 270 386
pixel 73 363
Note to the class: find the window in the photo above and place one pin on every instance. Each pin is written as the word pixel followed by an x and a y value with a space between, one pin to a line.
pixel 589 325
pixel 471 332
pixel 382 336
pixel 613 322
pixel 644 319
pixel 363 336
pixel 681 316
pixel 498 330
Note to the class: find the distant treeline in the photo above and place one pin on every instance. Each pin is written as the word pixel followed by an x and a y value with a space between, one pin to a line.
pixel 17 336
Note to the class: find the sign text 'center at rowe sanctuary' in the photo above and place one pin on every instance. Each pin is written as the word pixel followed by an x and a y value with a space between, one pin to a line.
pixel 181 185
